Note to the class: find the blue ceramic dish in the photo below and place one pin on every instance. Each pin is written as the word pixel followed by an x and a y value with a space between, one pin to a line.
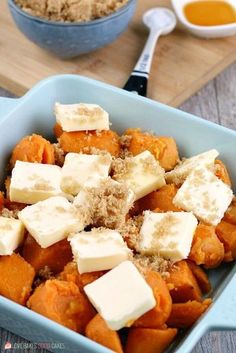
pixel 34 113
pixel 68 40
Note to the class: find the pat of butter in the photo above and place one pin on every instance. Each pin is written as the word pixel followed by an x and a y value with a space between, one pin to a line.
pixel 11 235
pixel 142 174
pixel 33 182
pixel 80 168
pixel 121 296
pixel 81 117
pixel 169 234
pixel 205 195
pixel 51 220
pixel 181 171
pixel 97 250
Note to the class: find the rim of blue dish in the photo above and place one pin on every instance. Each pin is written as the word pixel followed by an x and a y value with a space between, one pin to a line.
pixel 117 13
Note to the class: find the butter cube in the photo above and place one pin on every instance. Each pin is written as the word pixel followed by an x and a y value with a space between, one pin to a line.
pixel 81 168
pixel 81 117
pixel 97 250
pixel 33 182
pixel 169 234
pixel 182 170
pixel 121 296
pixel 142 174
pixel 205 195
pixel 11 235
pixel 106 204
pixel 51 220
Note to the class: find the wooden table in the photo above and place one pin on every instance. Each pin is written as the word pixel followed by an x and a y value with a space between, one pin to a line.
pixel 215 102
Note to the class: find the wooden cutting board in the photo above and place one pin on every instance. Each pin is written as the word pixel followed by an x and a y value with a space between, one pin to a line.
pixel 182 63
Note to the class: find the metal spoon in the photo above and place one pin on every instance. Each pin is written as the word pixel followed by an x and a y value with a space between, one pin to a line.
pixel 160 21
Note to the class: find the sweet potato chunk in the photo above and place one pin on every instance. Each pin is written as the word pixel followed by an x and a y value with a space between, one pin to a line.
pixel 1 201
pixel 147 340
pixel 206 248
pixel 222 172
pixel 57 130
pixel 201 277
pixel 55 256
pixel 184 315
pixel 182 284
pixel 98 331
pixel 142 141
pixel 82 141
pixel 170 156
pixel 230 214
pixel 62 302
pixel 33 149
pixel 71 274
pixel 226 232
pixel 16 278
pixel 156 317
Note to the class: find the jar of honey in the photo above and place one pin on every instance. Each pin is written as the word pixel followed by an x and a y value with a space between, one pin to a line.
pixel 210 12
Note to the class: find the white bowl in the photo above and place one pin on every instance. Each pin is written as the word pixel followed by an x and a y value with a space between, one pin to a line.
pixel 203 31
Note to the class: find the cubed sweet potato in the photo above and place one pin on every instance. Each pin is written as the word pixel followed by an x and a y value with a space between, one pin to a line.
pixel 55 256
pixel 1 201
pixel 82 141
pixel 98 331
pixel 71 274
pixel 184 315
pixel 145 340
pixel 201 277
pixel 143 141
pixel 182 284
pixel 156 317
pixel 230 214
pixel 33 149
pixel 16 278
pixel 57 130
pixel 62 302
pixel 221 172
pixel 170 155
pixel 226 232
pixel 206 248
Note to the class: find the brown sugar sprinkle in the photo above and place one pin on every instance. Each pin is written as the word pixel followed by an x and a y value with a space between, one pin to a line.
pixel 125 141
pixel 121 167
pixel 59 154
pixel 152 263
pixel 94 150
pixel 130 231
pixel 107 204
pixel 9 213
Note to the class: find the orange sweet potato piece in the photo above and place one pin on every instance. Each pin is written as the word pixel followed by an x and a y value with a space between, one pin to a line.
pixel 206 248
pixel 142 141
pixel 221 172
pixel 55 256
pixel 170 156
pixel 184 315
pixel 230 214
pixel 62 302
pixel 156 317
pixel 147 340
pixel 57 130
pixel 98 331
pixel 82 141
pixel 226 232
pixel 182 284
pixel 71 274
pixel 201 277
pixel 33 149
pixel 1 201
pixel 16 278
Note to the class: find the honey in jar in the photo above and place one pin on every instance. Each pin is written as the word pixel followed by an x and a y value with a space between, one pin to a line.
pixel 210 12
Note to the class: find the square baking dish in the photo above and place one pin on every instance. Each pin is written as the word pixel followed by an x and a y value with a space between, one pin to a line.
pixel 34 113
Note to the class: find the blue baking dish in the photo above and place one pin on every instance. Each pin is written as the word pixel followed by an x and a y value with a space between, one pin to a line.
pixel 34 113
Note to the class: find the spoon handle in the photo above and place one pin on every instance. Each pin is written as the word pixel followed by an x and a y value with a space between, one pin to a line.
pixel 138 81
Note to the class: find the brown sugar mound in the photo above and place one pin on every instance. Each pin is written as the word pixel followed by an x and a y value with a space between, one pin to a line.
pixel 70 10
